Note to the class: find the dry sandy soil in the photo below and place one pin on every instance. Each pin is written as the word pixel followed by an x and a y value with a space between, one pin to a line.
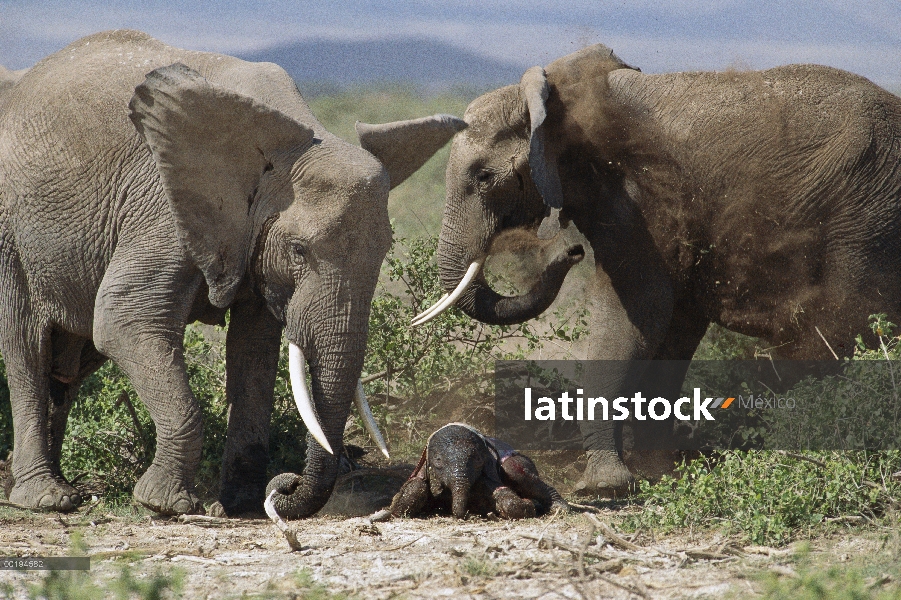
pixel 563 556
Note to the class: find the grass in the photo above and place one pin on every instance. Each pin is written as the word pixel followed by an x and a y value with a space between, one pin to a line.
pixel 812 577
pixel 85 585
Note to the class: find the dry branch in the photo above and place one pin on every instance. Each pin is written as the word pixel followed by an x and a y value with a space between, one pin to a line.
pixel 289 532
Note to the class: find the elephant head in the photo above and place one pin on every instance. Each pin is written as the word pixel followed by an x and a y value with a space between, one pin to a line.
pixel 502 174
pixel 457 456
pixel 267 205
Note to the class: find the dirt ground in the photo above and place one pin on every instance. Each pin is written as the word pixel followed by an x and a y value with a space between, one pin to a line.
pixel 563 556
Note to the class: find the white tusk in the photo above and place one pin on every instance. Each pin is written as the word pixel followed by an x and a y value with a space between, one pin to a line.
pixel 427 311
pixel 296 366
pixel 369 421
pixel 443 305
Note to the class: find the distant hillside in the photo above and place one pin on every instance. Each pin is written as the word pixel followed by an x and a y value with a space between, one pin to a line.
pixel 426 63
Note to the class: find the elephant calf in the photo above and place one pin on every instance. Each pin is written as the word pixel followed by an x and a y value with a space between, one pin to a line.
pixel 469 472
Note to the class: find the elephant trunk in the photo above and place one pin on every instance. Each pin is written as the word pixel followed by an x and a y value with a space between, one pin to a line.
pixel 460 497
pixel 334 379
pixel 481 302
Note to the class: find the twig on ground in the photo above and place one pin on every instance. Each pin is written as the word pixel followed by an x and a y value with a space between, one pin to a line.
pixel 402 546
pixel 289 533
pixel 624 586
pixel 379 516
pixel 552 542
pixel 203 520
pixel 584 546
pixel 585 507
pixel 615 539
pixel 846 519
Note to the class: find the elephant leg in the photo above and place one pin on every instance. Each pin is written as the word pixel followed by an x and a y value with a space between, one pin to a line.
pixel 501 499
pixel 521 475
pixel 253 344
pixel 630 319
pixel 139 323
pixel 653 453
pixel 25 341
pixel 38 482
pixel 412 499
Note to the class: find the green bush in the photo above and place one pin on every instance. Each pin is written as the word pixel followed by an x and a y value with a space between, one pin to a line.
pixel 6 415
pixel 451 349
pixel 770 497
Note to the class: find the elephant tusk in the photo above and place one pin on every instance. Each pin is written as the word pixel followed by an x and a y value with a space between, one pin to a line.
pixel 443 305
pixel 296 367
pixel 429 310
pixel 369 421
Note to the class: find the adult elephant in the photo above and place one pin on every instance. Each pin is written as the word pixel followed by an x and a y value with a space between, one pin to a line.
pixel 766 201
pixel 130 206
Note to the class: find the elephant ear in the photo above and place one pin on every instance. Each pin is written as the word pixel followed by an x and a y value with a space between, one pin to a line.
pixel 211 147
pixel 404 146
pixel 535 91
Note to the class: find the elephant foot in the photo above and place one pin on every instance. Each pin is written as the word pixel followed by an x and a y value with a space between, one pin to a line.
pixel 164 494
pixel 605 475
pixel 45 493
pixel 652 464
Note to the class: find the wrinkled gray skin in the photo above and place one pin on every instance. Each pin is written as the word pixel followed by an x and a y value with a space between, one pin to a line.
pixel 767 202
pixel 130 207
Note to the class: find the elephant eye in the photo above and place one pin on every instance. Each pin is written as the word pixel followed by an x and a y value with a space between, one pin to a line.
pixel 299 251
pixel 484 176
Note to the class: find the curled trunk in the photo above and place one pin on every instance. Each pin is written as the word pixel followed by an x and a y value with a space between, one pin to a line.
pixel 333 387
pixel 484 304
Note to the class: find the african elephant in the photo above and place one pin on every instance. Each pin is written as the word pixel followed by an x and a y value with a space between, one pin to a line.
pixel 143 187
pixel 768 202
pixel 468 472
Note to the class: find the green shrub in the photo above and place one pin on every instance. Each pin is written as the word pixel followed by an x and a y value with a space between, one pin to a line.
pixel 770 497
pixel 6 415
pixel 452 348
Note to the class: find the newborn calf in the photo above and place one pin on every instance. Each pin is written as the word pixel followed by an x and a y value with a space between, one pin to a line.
pixel 467 472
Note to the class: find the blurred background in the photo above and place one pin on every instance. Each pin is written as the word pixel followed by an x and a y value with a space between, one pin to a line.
pixel 472 42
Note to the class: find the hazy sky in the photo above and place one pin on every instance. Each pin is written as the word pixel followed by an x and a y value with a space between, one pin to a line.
pixel 863 36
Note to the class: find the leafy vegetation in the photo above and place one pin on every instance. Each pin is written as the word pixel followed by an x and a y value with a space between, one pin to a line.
pixel 768 497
